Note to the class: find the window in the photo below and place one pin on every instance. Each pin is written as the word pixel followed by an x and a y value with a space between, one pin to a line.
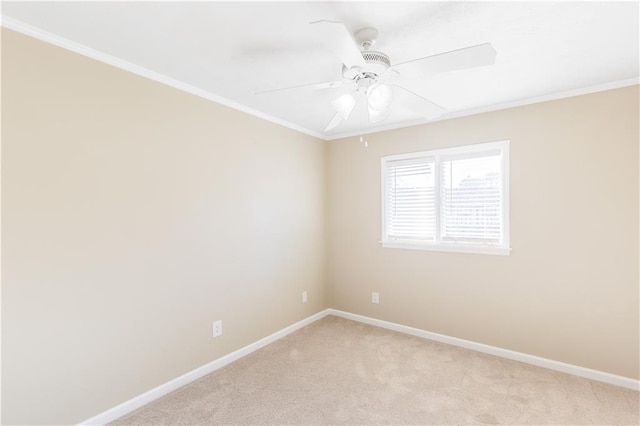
pixel 454 199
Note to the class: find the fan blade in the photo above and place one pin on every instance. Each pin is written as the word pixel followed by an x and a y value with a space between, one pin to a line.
pixel 418 104
pixel 468 57
pixel 312 86
pixel 335 120
pixel 340 42
pixel 377 116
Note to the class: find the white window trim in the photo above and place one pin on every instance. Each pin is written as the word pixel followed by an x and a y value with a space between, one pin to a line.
pixel 466 247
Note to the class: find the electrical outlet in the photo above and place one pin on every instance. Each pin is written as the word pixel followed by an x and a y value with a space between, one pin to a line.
pixel 217 328
pixel 304 297
pixel 375 297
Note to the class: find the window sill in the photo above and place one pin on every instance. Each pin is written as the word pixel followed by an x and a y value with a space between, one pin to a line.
pixel 456 248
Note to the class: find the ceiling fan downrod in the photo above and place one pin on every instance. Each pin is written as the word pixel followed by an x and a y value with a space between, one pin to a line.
pixel 366 37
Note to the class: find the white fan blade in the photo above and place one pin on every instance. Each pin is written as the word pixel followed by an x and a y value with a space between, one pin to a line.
pixel 377 116
pixel 417 103
pixel 339 40
pixel 468 57
pixel 311 86
pixel 335 120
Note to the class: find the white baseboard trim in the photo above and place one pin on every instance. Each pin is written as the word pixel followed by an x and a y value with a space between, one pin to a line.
pixel 157 392
pixel 575 370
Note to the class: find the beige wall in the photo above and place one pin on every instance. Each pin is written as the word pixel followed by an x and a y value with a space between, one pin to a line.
pixel 133 216
pixel 569 289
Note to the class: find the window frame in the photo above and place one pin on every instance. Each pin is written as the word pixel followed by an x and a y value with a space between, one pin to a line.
pixel 501 248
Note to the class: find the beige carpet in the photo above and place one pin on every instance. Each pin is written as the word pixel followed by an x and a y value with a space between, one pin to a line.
pixel 337 371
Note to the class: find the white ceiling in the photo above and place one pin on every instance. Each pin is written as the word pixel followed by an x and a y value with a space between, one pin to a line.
pixel 226 51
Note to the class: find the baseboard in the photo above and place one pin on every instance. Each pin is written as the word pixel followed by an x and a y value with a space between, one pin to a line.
pixel 576 370
pixel 155 393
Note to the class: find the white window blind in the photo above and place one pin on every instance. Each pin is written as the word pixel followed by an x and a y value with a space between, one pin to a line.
pixel 411 211
pixel 451 199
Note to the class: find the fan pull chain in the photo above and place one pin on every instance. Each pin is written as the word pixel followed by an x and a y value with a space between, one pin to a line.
pixel 363 139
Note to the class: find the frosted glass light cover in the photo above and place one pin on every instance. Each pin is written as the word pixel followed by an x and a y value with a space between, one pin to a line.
pixel 379 96
pixel 344 105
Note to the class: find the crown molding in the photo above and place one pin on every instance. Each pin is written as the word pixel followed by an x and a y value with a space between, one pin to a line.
pixel 30 30
pixel 56 40
pixel 496 107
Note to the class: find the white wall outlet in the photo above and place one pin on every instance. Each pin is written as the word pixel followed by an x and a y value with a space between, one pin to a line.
pixel 375 297
pixel 217 328
pixel 304 297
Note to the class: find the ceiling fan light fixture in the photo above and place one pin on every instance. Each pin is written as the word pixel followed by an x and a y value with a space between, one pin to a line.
pixel 375 82
pixel 344 105
pixel 379 96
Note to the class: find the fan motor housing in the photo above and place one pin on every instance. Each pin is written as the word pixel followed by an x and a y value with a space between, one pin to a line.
pixel 377 63
pixel 377 58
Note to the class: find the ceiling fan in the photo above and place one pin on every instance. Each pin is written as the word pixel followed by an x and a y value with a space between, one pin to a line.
pixel 375 82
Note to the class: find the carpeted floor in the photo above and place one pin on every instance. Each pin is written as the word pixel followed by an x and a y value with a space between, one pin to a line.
pixel 337 371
